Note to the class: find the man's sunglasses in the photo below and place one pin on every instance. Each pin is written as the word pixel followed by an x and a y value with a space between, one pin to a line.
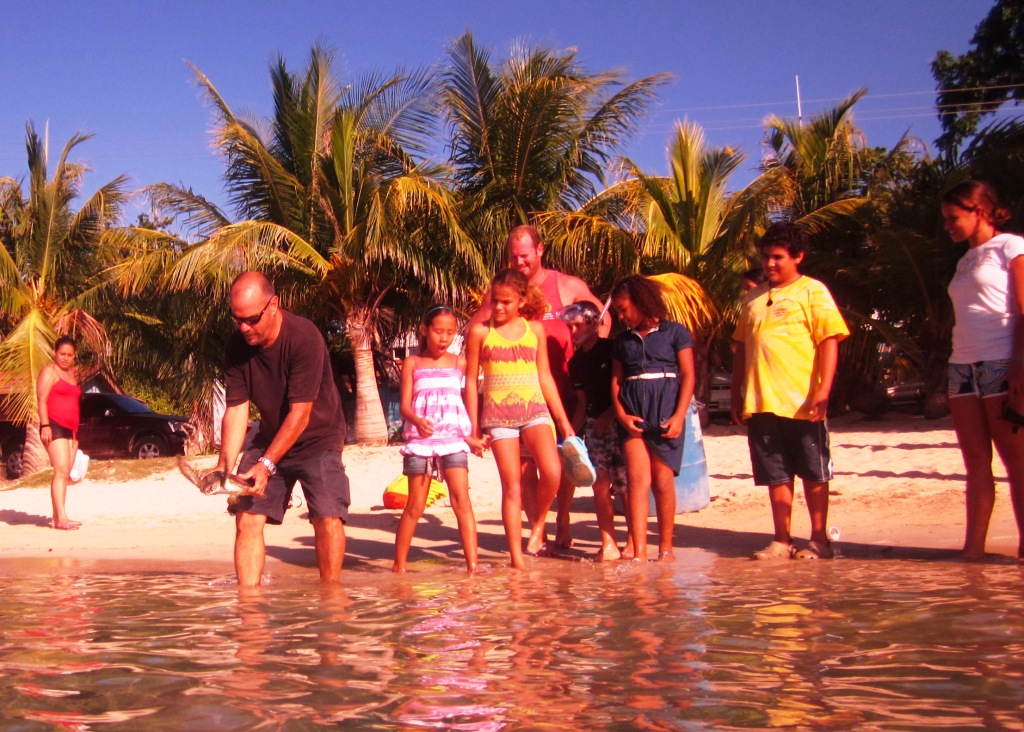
pixel 252 320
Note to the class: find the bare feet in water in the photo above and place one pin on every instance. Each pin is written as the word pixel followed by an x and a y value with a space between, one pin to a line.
pixel 607 554
pixel 538 545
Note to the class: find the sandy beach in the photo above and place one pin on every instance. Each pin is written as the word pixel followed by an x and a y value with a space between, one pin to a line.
pixel 898 492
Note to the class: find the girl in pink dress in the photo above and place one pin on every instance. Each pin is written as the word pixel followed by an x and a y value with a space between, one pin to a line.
pixel 437 430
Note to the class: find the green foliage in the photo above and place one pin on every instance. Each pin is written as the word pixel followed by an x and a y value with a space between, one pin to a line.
pixel 335 196
pixel 975 84
pixel 49 266
pixel 532 133
pixel 152 393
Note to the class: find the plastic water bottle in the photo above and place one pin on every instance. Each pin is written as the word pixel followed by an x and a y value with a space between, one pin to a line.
pixel 833 535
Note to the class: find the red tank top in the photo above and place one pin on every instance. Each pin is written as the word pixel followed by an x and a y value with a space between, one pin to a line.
pixel 559 340
pixel 62 404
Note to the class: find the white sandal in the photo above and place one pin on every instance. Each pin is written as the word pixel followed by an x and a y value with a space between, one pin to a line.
pixel 776 550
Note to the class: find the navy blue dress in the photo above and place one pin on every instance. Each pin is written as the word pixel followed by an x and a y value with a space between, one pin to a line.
pixel 654 399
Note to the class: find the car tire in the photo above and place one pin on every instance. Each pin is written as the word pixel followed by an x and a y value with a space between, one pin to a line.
pixel 13 461
pixel 150 446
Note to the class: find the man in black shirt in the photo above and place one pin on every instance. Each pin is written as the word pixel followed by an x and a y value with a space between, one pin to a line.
pixel 279 362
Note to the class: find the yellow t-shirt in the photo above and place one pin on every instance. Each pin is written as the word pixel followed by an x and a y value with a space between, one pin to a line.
pixel 781 341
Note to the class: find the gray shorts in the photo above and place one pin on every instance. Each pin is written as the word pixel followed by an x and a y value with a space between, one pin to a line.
pixel 417 465
pixel 982 379
pixel 324 484
pixel 782 448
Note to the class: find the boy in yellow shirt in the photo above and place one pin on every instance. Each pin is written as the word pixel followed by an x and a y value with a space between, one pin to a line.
pixel 787 348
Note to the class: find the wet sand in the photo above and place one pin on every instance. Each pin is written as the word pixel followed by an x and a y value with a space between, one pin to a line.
pixel 898 493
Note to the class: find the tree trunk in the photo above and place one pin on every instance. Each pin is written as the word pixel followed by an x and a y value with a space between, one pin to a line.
pixel 370 428
pixel 33 457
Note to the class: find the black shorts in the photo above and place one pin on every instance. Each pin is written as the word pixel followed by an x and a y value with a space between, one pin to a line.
pixel 62 433
pixel 324 484
pixel 781 448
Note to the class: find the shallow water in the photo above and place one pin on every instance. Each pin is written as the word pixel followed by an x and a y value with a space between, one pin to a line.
pixel 706 644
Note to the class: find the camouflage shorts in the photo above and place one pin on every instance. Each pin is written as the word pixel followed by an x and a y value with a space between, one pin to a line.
pixel 605 450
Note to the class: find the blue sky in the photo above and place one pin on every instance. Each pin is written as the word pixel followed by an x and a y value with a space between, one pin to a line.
pixel 117 69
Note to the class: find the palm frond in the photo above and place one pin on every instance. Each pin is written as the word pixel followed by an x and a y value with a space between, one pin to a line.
pixel 201 216
pixel 212 265
pixel 687 302
pixel 23 353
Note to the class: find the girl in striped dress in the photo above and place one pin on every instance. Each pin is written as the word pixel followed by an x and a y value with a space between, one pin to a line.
pixel 437 430
pixel 518 400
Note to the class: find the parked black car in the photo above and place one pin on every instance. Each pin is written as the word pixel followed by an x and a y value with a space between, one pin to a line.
pixel 112 425
pixel 12 439
pixel 115 425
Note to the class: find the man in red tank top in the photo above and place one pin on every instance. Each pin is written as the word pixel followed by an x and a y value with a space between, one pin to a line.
pixel 525 251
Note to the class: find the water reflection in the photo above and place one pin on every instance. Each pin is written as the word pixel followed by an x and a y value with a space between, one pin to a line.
pixel 704 643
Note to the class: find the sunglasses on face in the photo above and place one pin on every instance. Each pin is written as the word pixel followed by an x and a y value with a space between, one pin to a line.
pixel 251 320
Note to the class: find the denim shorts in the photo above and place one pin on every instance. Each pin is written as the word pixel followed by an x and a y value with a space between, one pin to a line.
pixel 323 479
pixel 981 379
pixel 507 433
pixel 416 465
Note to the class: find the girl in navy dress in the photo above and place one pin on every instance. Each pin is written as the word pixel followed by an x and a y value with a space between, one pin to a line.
pixel 652 385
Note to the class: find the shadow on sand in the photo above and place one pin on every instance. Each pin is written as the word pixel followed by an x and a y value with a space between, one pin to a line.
pixel 20 518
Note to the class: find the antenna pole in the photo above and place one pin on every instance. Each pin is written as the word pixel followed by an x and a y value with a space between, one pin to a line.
pixel 799 107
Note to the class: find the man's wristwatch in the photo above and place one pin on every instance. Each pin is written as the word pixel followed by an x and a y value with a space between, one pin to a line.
pixel 271 468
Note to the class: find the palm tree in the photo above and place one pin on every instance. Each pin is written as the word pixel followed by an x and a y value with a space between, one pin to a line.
pixel 166 336
pixel 683 228
pixel 49 260
pixel 909 259
pixel 338 203
pixel 532 134
pixel 817 169
pixel 687 222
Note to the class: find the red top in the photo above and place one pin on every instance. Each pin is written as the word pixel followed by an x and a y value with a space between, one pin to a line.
pixel 62 404
pixel 559 341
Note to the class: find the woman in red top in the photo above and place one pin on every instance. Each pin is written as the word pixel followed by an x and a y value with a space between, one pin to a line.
pixel 59 394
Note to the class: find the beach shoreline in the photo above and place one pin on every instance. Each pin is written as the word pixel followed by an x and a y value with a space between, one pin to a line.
pixel 898 493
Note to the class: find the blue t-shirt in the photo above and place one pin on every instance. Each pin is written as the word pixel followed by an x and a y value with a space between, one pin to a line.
pixel 656 352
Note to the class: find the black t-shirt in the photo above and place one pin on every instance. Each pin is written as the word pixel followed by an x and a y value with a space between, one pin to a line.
pixel 296 368
pixel 591 373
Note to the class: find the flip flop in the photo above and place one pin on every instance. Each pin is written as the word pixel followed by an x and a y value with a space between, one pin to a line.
pixel 815 550
pixel 68 525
